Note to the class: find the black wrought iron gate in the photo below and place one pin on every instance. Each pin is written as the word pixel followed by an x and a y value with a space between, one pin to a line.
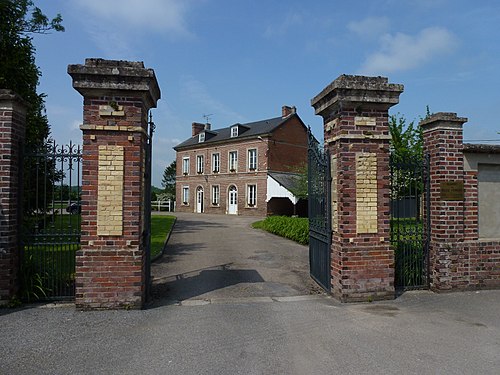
pixel 410 227
pixel 50 221
pixel 146 234
pixel 320 232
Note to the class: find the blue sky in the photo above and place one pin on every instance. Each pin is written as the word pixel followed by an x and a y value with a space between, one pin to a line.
pixel 240 61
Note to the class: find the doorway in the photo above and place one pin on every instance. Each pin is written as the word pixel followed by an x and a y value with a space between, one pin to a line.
pixel 233 201
pixel 199 200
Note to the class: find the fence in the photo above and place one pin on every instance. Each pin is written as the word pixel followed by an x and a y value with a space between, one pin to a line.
pixel 168 206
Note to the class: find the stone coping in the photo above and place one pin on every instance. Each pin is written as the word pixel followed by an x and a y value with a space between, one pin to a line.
pixel 357 91
pixel 481 148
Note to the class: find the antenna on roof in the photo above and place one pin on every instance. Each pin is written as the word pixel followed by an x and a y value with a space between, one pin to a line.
pixel 207 117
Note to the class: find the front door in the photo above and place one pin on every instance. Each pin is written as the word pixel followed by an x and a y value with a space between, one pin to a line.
pixel 199 200
pixel 233 201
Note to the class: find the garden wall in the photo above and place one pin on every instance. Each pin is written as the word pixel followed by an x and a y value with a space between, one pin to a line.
pixel 464 207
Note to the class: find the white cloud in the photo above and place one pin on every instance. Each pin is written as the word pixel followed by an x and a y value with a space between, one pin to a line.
pixel 198 93
pixel 401 52
pixel 280 28
pixel 116 27
pixel 166 16
pixel 369 27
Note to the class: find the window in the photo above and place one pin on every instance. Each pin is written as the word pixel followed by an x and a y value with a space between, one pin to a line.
pixel 233 161
pixel 185 194
pixel 234 131
pixel 185 165
pixel 199 164
pixel 215 163
pixel 252 159
pixel 215 195
pixel 201 137
pixel 252 195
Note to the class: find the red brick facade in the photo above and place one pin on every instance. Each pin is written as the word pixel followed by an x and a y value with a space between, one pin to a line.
pixel 12 133
pixel 111 267
pixel 284 149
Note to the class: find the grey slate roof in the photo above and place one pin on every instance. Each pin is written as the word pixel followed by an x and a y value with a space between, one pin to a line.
pixel 288 180
pixel 254 129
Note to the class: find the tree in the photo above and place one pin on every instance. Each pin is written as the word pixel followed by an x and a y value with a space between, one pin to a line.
pixel 168 180
pixel 300 187
pixel 406 140
pixel 19 19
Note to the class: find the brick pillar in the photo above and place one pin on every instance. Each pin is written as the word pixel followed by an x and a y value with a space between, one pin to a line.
pixel 443 141
pixel 12 133
pixel 355 116
pixel 111 265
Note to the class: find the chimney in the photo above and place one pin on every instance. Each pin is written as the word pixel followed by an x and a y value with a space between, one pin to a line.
pixel 208 126
pixel 287 111
pixel 196 128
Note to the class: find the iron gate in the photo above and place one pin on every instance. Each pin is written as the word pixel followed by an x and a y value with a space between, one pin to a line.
pixel 50 221
pixel 410 227
pixel 146 233
pixel 320 232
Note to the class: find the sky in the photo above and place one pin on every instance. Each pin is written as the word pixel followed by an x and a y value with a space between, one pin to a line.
pixel 241 61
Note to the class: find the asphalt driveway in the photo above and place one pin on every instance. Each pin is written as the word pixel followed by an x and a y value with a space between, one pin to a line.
pixel 220 256
pixel 231 300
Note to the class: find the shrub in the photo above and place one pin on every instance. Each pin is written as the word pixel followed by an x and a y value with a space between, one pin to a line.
pixel 293 228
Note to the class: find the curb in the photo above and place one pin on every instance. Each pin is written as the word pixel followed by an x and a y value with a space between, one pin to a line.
pixel 159 255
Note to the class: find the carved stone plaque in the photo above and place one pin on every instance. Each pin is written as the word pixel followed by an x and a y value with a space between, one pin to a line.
pixel 451 190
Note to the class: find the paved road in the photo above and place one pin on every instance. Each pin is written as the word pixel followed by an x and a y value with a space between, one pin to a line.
pixel 220 256
pixel 419 333
pixel 273 325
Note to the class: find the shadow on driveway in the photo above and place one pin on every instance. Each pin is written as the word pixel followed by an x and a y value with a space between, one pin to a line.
pixel 184 286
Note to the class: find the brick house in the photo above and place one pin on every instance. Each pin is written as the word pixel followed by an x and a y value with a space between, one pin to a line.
pixel 242 169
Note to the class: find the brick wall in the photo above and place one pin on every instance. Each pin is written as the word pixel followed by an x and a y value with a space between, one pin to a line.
pixel 110 265
pixel 288 146
pixel 362 258
pixel 12 132
pixel 458 258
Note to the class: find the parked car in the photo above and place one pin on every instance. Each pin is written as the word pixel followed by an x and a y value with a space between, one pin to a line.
pixel 74 208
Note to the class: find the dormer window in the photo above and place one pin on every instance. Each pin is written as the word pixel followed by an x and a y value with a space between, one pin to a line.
pixel 234 131
pixel 201 137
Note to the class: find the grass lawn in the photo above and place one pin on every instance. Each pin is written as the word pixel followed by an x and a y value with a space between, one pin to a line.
pixel 160 226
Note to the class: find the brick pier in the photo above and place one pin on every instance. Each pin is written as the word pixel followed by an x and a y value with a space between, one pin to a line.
pixel 12 133
pixel 355 117
pixel 111 265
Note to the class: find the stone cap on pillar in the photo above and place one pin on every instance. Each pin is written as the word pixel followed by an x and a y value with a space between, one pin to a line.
pixel 100 77
pixel 443 121
pixel 358 92
pixel 9 96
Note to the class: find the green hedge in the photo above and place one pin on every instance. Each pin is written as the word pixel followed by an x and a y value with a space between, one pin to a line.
pixel 293 228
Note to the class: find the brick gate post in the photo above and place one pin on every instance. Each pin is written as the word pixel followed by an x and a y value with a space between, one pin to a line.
pixel 12 134
pixel 355 118
pixel 443 141
pixel 110 267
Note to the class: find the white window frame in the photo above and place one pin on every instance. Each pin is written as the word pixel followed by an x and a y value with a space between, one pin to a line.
pixel 252 161
pixel 200 164
pixel 185 165
pixel 215 162
pixel 201 137
pixel 251 195
pixel 185 195
pixel 234 131
pixel 215 195
pixel 233 164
